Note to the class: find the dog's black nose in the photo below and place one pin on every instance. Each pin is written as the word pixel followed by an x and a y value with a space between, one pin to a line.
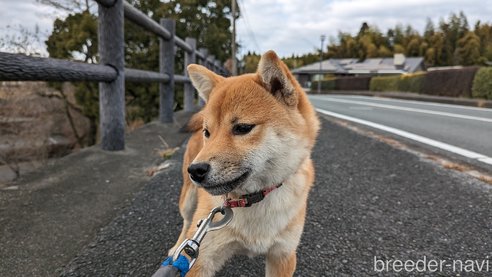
pixel 198 171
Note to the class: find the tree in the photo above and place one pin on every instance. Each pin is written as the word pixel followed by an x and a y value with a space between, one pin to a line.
pixel 371 51
pixel 384 51
pixel 422 48
pixel 484 32
pixel 347 48
pixel 430 57
pixel 206 20
pixel 398 36
pixel 398 49
pixel 363 29
pixel 468 50
pixel 250 61
pixel 367 42
pixel 429 29
pixel 413 47
pixel 75 37
pixel 448 44
pixel 453 30
pixel 433 55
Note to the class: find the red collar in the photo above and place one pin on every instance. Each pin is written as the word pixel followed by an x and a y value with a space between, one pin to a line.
pixel 249 199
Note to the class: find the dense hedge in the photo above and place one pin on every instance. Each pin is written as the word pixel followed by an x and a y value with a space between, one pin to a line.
pixel 326 85
pixel 464 82
pixel 411 82
pixel 384 83
pixel 406 82
pixel 352 83
pixel 451 82
pixel 482 83
pixel 342 83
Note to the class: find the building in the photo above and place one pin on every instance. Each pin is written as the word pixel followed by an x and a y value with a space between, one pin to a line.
pixel 399 64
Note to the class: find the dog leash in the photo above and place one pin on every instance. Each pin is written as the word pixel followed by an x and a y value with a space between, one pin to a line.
pixel 177 264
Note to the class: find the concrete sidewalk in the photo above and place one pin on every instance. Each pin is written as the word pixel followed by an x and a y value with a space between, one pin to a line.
pixel 370 200
pixel 48 216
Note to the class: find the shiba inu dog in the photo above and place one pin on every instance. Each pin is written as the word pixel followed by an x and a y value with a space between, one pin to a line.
pixel 252 141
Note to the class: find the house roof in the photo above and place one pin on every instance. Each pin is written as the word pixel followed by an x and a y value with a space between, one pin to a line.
pixel 331 66
pixel 353 66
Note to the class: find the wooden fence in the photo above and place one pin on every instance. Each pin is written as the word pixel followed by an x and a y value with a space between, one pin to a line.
pixel 111 72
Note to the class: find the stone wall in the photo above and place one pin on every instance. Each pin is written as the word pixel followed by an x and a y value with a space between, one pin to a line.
pixel 34 124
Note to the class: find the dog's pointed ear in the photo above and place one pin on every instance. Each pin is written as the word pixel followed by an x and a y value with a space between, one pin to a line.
pixel 276 78
pixel 203 80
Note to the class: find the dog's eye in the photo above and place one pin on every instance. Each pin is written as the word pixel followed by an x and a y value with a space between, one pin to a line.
pixel 242 129
pixel 206 133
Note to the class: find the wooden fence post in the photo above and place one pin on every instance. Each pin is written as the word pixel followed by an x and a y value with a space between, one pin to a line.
pixel 166 66
pixel 112 94
pixel 189 91
pixel 218 67
pixel 204 52
pixel 210 60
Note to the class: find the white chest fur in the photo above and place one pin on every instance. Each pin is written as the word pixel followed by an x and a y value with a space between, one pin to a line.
pixel 264 224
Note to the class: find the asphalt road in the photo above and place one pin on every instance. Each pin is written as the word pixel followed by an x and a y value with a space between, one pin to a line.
pixel 370 200
pixel 465 127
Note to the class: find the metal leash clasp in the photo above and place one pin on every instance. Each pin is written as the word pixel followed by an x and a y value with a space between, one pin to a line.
pixel 191 246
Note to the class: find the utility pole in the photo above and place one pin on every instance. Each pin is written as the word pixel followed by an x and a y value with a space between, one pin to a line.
pixel 234 65
pixel 320 63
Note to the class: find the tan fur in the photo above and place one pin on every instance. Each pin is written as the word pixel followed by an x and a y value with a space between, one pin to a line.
pixel 277 150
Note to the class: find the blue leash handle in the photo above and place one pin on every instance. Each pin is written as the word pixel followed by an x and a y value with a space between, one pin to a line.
pixel 182 264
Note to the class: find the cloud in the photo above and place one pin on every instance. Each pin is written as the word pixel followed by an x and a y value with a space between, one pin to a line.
pixel 29 14
pixel 288 26
pixel 294 27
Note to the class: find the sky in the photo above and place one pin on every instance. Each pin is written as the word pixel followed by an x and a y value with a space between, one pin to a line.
pixel 288 26
pixel 295 26
pixel 27 13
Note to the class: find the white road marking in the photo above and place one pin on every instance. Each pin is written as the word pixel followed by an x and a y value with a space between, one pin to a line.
pixel 415 137
pixel 384 106
pixel 416 102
